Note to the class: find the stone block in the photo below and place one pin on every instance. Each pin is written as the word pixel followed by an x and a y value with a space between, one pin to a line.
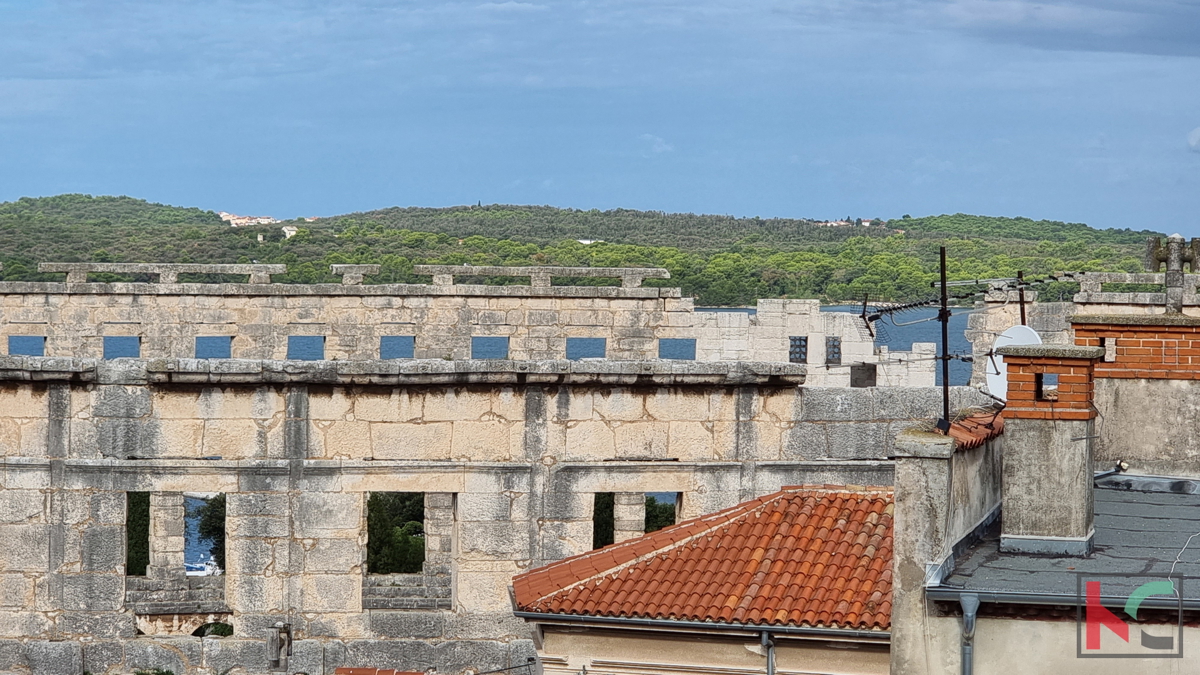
pixel 17 506
pixel 489 441
pixel 411 441
pixel 618 404
pixel 104 549
pixel 54 658
pixel 328 514
pixel 455 404
pixel 410 624
pixel 331 593
pixel 690 441
pixel 331 404
pixel 247 526
pixel 641 439
pixel 16 591
pixel 118 401
pixel 108 508
pixel 254 595
pixel 94 625
pixel 234 439
pixel 343 439
pixel 590 439
pixel 859 440
pixel 24 548
pixel 806 440
pixel 93 592
pixel 398 406
pixel 100 656
pixel 255 504
pixel 493 540
pixel 179 655
pixel 334 555
pixel 678 404
pixel 838 404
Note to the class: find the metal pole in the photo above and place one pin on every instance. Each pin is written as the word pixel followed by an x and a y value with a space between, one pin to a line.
pixel 944 317
pixel 1021 294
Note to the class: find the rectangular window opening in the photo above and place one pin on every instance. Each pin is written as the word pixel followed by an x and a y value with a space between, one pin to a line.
pixel 798 349
pixel 137 533
pixel 214 347
pixel 586 348
pixel 395 532
pixel 122 347
pixel 26 345
pixel 604 522
pixel 863 375
pixel 306 347
pixel 662 510
pixel 833 351
pixel 397 346
pixel 204 533
pixel 1046 386
pixel 677 349
pixel 489 348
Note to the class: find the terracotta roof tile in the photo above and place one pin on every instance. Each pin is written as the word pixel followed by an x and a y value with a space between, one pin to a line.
pixel 974 431
pixel 804 556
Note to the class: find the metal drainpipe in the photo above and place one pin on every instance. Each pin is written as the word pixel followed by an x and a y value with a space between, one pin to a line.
pixel 970 605
pixel 770 646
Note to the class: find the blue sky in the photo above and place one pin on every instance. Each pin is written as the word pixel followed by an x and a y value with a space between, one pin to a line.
pixel 1082 110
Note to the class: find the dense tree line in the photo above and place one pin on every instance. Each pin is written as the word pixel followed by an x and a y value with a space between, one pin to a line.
pixel 805 261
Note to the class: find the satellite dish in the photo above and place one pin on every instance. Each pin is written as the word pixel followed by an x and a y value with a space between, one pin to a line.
pixel 997 374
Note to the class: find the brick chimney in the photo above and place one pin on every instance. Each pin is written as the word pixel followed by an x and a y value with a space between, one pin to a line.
pixel 1049 429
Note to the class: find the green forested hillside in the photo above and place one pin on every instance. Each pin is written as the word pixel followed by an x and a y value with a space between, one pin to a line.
pixel 717 259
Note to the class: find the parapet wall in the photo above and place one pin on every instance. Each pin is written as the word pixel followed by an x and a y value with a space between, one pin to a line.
pixel 442 319
pixel 509 462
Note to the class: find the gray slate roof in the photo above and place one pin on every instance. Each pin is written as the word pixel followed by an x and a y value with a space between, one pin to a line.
pixel 1137 533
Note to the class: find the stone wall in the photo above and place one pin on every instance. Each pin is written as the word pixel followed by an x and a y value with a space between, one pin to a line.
pixel 508 455
pixel 442 319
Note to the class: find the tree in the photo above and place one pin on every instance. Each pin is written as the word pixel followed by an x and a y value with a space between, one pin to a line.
pixel 658 514
pixel 211 527
pixel 137 533
pixel 395 532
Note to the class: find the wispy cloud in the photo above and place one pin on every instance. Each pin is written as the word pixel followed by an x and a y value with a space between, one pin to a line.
pixel 656 144
pixel 1193 139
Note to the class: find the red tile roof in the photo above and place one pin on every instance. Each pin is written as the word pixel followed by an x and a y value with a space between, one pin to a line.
pixel 972 432
pixel 804 556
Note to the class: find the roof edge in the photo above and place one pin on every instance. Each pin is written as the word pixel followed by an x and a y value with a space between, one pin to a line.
pixel 880 636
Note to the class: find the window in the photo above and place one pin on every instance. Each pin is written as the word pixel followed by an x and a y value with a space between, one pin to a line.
pixel 204 532
pixel 489 348
pixel 26 345
pixel 798 349
pixel 137 533
pixel 395 532
pixel 306 347
pixel 122 347
pixel 603 520
pixel 661 510
pixel 833 351
pixel 1046 386
pixel 585 348
pixel 675 348
pixel 216 347
pixel 397 346
pixel 862 375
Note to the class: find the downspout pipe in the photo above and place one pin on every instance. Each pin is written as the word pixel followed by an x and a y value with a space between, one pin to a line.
pixel 769 645
pixel 970 606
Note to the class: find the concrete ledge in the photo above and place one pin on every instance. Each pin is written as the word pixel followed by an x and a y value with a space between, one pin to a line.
pixel 1068 546
pixel 46 369
pixel 1052 351
pixel 1136 319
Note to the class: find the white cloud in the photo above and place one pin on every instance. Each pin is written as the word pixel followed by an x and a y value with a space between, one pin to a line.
pixel 657 145
pixel 1194 140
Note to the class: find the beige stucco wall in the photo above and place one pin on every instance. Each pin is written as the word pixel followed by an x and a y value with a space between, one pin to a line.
pixel 567 651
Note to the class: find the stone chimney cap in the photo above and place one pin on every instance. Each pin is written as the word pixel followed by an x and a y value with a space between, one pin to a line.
pixel 1052 351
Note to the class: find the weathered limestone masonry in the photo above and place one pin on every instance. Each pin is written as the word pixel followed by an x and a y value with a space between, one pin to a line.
pixel 442 318
pixel 509 455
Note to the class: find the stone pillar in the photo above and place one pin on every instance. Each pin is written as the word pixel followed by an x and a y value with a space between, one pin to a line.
pixel 920 543
pixel 167 515
pixel 629 515
pixel 1048 450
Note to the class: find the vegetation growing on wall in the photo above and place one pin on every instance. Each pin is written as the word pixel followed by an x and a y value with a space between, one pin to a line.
pixel 395 532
